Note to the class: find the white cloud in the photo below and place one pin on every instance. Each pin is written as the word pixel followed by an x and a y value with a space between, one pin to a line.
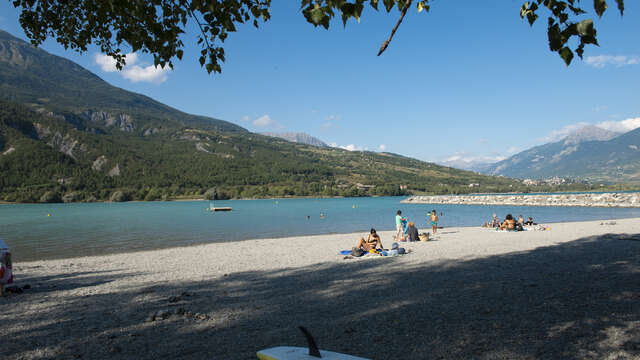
pixel 245 118
pixel 620 126
pixel 512 150
pixel 145 74
pixel 470 161
pixel 557 135
pixel 264 121
pixel 330 121
pixel 327 125
pixel 350 147
pixel 106 63
pixel 473 158
pixel 382 147
pixel 131 71
pixel 601 61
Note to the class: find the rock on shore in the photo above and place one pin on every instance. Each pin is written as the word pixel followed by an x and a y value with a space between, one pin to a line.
pixel 588 200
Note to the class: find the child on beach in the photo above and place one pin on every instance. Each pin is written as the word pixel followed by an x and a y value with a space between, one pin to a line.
pixel 399 227
pixel 434 222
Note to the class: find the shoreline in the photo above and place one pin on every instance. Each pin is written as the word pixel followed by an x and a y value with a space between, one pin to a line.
pixel 386 236
pixel 409 198
pixel 386 233
pixel 601 199
pixel 472 293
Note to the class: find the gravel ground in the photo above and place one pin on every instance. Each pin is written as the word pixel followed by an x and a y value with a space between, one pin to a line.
pixel 571 292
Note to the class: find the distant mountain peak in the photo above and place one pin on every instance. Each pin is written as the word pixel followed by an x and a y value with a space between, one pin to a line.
pixel 297 137
pixel 589 133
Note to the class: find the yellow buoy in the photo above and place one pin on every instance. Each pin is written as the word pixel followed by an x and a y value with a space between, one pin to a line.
pixel 48 214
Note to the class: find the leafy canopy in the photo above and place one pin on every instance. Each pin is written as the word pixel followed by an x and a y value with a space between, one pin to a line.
pixel 562 25
pixel 156 27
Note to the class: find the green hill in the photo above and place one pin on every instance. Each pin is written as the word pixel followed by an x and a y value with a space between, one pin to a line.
pixel 32 76
pixel 65 134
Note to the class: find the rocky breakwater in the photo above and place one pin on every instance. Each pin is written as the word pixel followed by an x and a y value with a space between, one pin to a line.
pixel 587 200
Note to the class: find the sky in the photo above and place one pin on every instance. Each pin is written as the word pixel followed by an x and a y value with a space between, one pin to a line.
pixel 467 81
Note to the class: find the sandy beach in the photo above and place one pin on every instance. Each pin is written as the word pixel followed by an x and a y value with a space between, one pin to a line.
pixel 571 292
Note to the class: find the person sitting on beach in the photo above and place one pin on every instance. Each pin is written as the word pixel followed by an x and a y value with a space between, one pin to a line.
pixel 521 220
pixel 529 222
pixel 509 223
pixel 495 222
pixel 371 243
pixel 412 232
pixel 395 250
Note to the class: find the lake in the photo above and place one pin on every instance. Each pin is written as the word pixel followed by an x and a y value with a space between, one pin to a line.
pixel 85 229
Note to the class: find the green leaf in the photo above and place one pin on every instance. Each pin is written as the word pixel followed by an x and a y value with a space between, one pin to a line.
pixel 422 5
pixel 566 54
pixel 620 6
pixel 600 6
pixel 388 4
pixel 316 16
pixel 585 28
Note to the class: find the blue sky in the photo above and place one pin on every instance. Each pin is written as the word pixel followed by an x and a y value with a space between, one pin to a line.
pixel 469 79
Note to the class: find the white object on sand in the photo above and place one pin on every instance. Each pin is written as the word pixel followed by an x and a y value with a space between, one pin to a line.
pixel 300 353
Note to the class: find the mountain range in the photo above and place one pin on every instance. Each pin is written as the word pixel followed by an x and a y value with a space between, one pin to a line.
pixel 297 137
pixel 67 135
pixel 589 153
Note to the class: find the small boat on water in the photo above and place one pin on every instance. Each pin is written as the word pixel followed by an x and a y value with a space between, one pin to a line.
pixel 212 208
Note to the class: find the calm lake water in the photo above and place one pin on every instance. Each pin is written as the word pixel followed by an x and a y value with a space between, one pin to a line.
pixel 102 228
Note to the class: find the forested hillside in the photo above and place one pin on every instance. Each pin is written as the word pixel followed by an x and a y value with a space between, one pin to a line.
pixel 43 153
pixel 66 135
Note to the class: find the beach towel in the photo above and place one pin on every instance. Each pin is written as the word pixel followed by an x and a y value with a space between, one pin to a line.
pixel 350 252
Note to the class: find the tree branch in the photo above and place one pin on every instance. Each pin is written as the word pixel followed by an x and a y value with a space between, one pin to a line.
pixel 393 31
pixel 197 20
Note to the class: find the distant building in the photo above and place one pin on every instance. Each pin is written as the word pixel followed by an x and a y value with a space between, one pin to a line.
pixel 364 187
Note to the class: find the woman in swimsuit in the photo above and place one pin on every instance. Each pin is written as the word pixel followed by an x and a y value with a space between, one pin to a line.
pixel 509 223
pixel 371 243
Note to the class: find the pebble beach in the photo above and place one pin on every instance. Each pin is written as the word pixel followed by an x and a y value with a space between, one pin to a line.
pixel 569 292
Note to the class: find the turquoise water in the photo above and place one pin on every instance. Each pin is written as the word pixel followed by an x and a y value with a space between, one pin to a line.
pixel 103 228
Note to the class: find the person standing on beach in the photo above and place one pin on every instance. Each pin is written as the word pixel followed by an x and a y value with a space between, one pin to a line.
pixel 434 222
pixel 399 228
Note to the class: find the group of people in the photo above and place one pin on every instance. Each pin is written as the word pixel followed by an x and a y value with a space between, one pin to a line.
pixel 405 231
pixel 509 223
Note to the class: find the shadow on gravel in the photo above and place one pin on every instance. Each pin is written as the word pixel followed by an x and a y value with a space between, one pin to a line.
pixel 579 300
pixel 67 281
